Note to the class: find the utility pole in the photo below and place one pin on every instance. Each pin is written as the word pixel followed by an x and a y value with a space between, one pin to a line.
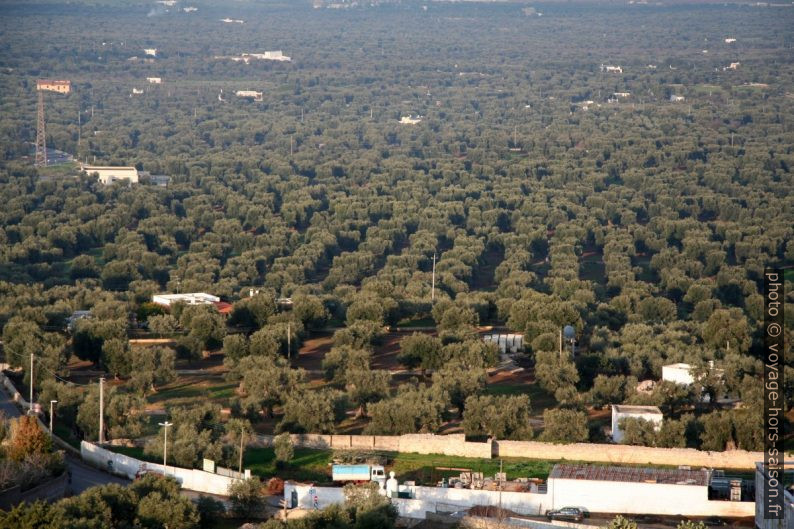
pixel 52 432
pixel 165 426
pixel 433 287
pixel 30 402
pixel 290 145
pixel 101 410
pixel 289 339
pixel 41 136
pixel 560 344
pixel 240 468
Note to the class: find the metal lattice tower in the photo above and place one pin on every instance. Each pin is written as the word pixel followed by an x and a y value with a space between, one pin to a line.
pixel 41 142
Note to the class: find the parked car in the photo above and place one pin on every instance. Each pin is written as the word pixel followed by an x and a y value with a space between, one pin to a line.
pixel 571 514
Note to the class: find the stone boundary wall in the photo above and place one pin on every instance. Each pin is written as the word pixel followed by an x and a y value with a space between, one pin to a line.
pixel 456 445
pixel 51 490
pixel 452 445
pixel 626 454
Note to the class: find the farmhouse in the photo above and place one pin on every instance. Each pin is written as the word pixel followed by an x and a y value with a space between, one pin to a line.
pixel 193 298
pixel 620 412
pixel 252 94
pixel 108 175
pixel 154 80
pixel 61 86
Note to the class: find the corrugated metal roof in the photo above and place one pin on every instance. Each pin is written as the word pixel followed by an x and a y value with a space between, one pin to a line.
pixel 630 474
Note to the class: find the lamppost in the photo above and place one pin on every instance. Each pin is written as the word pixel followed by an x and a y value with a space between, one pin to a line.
pixel 52 432
pixel 165 426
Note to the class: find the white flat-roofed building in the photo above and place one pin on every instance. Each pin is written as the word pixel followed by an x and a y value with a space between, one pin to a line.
pixel 679 373
pixel 507 343
pixel 253 94
pixel 152 52
pixel 108 175
pixel 154 80
pixel 621 411
pixel 192 298
pixel 410 120
pixel 275 55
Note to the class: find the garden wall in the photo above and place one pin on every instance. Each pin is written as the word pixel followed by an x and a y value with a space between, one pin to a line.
pixel 188 478
pixel 456 445
pixel 625 454
pixel 451 445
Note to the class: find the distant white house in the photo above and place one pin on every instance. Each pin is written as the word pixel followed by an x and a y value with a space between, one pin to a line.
pixel 620 412
pixel 681 373
pixel 152 52
pixel 276 55
pixel 154 80
pixel 730 40
pixel 733 66
pixel 410 120
pixel 507 343
pixel 189 9
pixel 136 91
pixel 611 69
pixel 251 94
pixel 676 99
pixel 621 94
pixel 108 175
pixel 76 316
pixel 193 298
pixel 232 20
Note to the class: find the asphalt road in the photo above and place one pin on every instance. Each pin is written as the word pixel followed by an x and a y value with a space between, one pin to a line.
pixel 83 475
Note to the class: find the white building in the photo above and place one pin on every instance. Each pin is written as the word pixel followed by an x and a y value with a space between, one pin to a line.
pixel 108 175
pixel 275 55
pixel 620 412
pixel 679 373
pixel 232 20
pixel 676 99
pixel 733 66
pixel 193 298
pixel 137 91
pixel 730 40
pixel 256 96
pixel 611 69
pixel 507 343
pixel 621 94
pixel 410 120
pixel 154 80
pixel 152 52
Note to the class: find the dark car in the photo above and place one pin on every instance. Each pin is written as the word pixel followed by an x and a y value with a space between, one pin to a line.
pixel 572 514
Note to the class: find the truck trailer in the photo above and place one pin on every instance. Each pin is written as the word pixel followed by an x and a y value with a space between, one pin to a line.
pixel 359 473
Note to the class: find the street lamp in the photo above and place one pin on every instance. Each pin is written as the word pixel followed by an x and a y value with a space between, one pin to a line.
pixel 51 403
pixel 165 426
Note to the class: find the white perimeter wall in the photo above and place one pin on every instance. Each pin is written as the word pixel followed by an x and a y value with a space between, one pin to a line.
pixel 188 478
pixel 610 497
pixel 642 498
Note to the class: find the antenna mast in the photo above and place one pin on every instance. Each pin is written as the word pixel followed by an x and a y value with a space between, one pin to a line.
pixel 41 142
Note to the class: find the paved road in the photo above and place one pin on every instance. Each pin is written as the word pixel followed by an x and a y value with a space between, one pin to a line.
pixel 83 475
